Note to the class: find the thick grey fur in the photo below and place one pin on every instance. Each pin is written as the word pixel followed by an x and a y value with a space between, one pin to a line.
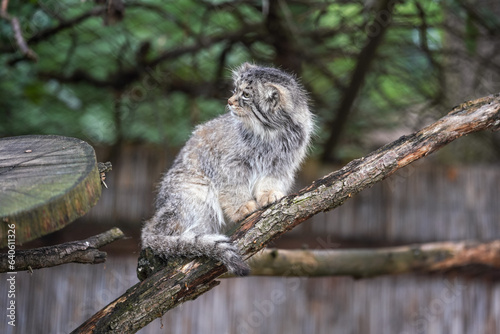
pixel 231 166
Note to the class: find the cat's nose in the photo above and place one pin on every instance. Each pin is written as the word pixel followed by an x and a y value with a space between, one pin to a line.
pixel 230 101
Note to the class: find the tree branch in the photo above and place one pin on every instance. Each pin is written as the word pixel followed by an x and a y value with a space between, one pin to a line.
pixel 363 263
pixel 66 24
pixel 186 279
pixel 82 251
pixel 121 78
pixel 207 42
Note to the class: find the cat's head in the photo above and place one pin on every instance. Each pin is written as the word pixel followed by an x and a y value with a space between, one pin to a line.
pixel 268 100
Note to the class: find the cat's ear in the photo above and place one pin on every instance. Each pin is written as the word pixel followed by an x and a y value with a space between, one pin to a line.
pixel 275 94
pixel 246 66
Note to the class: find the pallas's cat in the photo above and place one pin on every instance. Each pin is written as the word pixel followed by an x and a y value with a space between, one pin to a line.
pixel 231 166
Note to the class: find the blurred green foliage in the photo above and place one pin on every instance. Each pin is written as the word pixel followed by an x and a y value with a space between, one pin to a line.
pixel 151 70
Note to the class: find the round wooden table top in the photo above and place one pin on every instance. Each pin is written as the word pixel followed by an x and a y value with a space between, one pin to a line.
pixel 46 182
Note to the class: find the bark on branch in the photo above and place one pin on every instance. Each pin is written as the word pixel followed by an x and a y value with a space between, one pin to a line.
pixel 82 251
pixel 187 279
pixel 363 263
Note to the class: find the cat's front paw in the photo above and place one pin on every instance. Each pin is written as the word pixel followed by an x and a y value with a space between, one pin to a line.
pixel 269 196
pixel 244 210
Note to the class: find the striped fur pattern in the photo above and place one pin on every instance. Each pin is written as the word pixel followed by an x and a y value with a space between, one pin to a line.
pixel 231 166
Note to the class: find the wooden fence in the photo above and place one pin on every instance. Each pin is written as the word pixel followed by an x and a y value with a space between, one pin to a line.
pixel 421 203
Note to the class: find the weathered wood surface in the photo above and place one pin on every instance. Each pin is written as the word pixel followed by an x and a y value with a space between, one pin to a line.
pixel 46 182
pixel 169 287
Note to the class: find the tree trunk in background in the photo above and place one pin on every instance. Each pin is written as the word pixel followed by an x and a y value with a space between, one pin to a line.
pixel 375 34
pixel 471 70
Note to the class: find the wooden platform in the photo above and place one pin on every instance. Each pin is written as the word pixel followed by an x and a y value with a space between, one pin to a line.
pixel 46 182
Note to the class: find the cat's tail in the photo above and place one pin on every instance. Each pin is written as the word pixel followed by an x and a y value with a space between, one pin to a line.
pixel 216 246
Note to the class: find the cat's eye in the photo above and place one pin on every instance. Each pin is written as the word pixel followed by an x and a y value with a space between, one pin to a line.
pixel 246 95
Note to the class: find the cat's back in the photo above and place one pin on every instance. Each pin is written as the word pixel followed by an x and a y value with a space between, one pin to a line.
pixel 220 131
pixel 211 144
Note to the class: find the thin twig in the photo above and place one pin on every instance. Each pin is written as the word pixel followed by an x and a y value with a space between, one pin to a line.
pixel 21 43
pixel 5 4
pixel 18 35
